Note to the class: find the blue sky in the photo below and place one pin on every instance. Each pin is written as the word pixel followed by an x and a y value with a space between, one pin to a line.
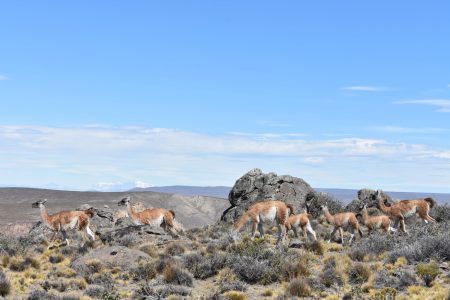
pixel 108 94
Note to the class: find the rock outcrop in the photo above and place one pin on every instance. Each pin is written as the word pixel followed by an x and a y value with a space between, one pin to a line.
pixel 257 186
pixel 367 197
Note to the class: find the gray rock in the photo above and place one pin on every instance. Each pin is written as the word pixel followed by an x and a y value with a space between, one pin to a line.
pixel 257 186
pixel 367 197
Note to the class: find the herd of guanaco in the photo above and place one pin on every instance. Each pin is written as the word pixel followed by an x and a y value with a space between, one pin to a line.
pixel 285 218
pixel 259 213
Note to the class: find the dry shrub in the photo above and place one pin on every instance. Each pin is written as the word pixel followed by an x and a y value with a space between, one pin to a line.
pixel 175 249
pixel 316 247
pixel 143 271
pixel 428 272
pixel 235 295
pixel 359 273
pixel 300 287
pixel 150 249
pixel 174 274
pixel 94 266
pixel 5 285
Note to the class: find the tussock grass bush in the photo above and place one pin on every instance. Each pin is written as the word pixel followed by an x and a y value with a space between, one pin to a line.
pixel 95 291
pixel 41 294
pixel 316 247
pixel 296 264
pixel 32 262
pixel 428 272
pixel 235 295
pixel 143 271
pixel 332 273
pixel 16 265
pixel 150 249
pixel 162 292
pixel 5 285
pixel 163 262
pixel 175 249
pixel 4 260
pixel 359 273
pixel 203 267
pixel 300 287
pixel 228 281
pixel 94 266
pixel 175 275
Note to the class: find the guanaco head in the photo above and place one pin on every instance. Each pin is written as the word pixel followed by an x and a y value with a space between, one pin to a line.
pixel 124 201
pixel 39 203
pixel 324 207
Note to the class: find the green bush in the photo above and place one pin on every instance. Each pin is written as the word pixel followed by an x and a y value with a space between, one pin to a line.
pixel 428 272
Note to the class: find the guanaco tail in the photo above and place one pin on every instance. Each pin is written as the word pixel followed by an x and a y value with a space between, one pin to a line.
pixel 156 217
pixel 265 211
pixel 407 208
pixel 66 220
pixel 342 221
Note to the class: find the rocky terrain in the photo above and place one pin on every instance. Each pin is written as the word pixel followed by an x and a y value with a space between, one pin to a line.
pixel 192 211
pixel 130 262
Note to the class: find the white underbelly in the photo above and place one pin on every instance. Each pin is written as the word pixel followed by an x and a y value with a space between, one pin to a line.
pixel 70 225
pixel 155 222
pixel 269 215
pixel 410 212
pixel 137 222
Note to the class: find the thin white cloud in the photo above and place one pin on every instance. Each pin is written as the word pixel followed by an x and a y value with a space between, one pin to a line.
pixel 398 129
pixel 443 105
pixel 365 88
pixel 3 77
pixel 122 156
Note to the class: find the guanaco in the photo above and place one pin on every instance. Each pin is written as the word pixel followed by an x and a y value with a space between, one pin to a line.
pixel 301 221
pixel 407 208
pixel 264 211
pixel 65 220
pixel 375 222
pixel 342 221
pixel 155 217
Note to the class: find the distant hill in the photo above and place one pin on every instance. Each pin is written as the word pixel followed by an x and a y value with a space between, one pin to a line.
pixel 191 211
pixel 210 191
pixel 344 195
pixel 347 195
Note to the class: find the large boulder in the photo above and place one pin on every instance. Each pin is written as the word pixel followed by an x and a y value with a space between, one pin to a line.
pixel 257 186
pixel 367 197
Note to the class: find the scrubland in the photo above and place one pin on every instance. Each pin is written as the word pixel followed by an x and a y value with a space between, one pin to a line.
pixel 203 263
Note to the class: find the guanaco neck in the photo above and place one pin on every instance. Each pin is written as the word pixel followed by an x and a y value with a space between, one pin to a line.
pixel 383 207
pixel 44 214
pixel 365 214
pixel 130 210
pixel 328 216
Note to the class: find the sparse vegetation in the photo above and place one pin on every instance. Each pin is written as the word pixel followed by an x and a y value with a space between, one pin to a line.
pixel 376 266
